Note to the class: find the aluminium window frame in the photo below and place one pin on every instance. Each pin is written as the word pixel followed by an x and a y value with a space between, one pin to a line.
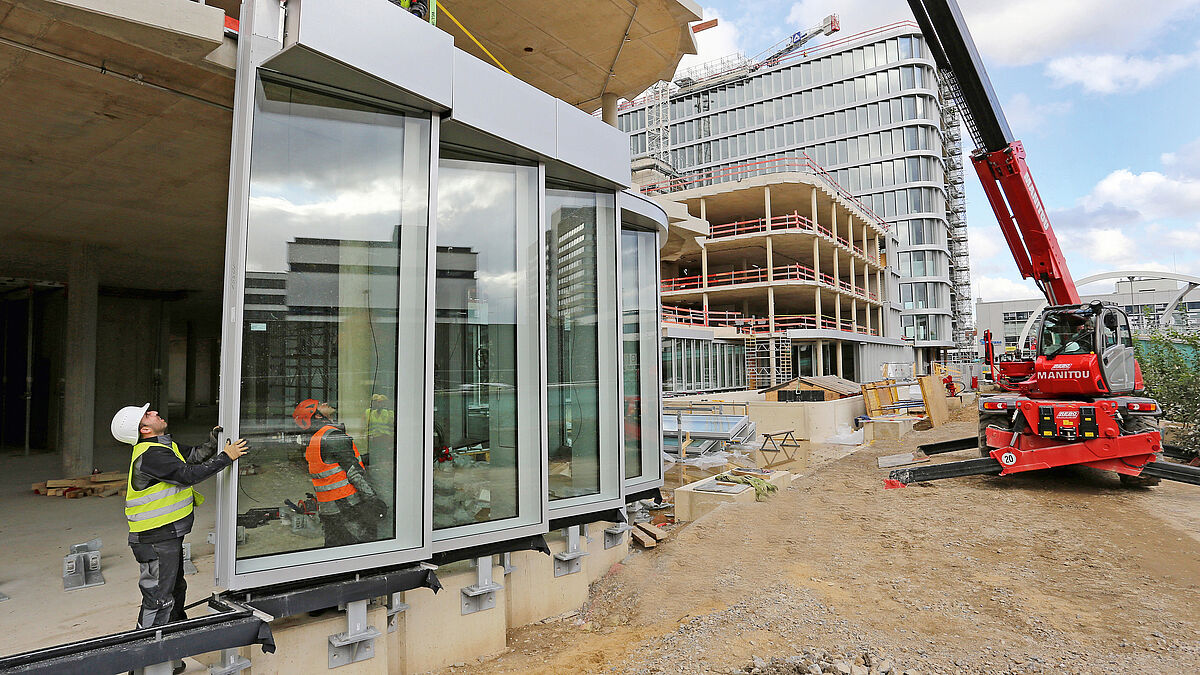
pixel 249 62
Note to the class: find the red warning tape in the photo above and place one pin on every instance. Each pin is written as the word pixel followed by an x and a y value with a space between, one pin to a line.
pixel 892 484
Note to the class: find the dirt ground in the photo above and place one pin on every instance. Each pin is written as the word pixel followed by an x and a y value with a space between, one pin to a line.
pixel 1059 572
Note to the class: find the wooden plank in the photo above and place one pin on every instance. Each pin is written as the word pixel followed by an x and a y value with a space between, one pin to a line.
pixel 108 477
pixel 934 393
pixel 39 488
pixel 642 538
pixel 657 532
pixel 68 482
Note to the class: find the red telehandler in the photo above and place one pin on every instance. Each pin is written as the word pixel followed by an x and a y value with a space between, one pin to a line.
pixel 1076 399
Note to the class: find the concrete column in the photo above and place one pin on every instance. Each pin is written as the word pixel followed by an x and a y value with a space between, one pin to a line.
pixel 839 359
pixel 706 308
pixel 866 250
pixel 189 374
pixel 703 210
pixel 833 221
pixel 837 269
pixel 814 205
pixel 770 259
pixel 837 309
pixel 853 282
pixel 819 358
pixel 608 108
pixel 703 266
pixel 854 314
pixel 162 376
pixel 817 259
pixel 819 315
pixel 79 392
pixel 868 318
pixel 771 308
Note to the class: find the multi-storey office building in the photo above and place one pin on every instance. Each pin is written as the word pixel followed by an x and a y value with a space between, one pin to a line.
pixel 867 109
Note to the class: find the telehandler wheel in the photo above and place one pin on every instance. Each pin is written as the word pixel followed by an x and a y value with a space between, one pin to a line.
pixel 1137 425
pixel 986 420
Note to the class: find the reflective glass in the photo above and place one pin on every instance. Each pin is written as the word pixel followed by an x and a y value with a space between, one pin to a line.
pixel 486 217
pixel 335 269
pixel 574 223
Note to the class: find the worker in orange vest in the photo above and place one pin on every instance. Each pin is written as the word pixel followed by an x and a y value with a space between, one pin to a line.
pixel 347 504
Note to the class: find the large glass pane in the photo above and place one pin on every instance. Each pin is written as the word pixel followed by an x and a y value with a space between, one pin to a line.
pixel 486 286
pixel 335 269
pixel 639 332
pixel 575 221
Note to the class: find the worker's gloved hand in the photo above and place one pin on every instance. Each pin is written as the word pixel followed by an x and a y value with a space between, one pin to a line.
pixel 376 507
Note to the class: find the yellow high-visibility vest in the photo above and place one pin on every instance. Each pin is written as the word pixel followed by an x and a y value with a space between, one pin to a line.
pixel 160 503
pixel 381 422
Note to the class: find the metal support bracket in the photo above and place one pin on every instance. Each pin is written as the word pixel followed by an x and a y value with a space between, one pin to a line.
pixel 306 525
pixel 156 669
pixel 506 562
pixel 615 536
pixel 240 536
pixel 189 567
pixel 482 594
pixel 570 561
pixel 395 608
pixel 232 663
pixel 81 567
pixel 358 642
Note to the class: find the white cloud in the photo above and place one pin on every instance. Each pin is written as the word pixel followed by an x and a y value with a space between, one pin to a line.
pixel 1115 73
pixel 1151 194
pixel 1021 32
pixel 1184 161
pixel 1026 116
pixel 715 43
pixel 991 289
pixel 1109 246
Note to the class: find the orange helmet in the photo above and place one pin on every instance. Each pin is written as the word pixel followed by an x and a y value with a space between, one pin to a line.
pixel 304 412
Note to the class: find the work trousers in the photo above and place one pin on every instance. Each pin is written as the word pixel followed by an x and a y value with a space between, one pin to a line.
pixel 161 581
pixel 351 525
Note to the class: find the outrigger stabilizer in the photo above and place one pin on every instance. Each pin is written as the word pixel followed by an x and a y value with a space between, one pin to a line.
pixel 1009 459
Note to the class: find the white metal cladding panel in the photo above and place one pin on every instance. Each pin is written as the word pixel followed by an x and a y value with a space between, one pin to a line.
pixel 379 39
pixel 590 144
pixel 490 100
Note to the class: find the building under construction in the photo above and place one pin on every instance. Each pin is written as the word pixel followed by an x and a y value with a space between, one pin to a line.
pixel 869 110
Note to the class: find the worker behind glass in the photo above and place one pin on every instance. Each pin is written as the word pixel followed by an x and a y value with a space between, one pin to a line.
pixel 1068 333
pixel 348 506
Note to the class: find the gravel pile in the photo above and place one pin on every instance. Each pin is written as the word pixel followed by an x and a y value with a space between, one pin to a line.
pixel 821 662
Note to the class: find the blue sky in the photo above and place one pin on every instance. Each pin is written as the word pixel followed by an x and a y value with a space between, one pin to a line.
pixel 1105 94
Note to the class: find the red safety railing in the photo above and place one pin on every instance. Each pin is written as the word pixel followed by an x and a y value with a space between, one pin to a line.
pixel 754 325
pixel 767 166
pixel 793 272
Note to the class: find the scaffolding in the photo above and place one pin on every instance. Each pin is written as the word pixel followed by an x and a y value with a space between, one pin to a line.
pixel 956 214
pixel 658 122
pixel 768 360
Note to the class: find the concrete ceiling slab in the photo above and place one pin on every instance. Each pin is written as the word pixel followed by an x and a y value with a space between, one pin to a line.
pixel 568 49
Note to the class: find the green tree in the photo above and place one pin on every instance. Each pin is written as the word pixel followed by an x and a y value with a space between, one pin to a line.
pixel 1170 361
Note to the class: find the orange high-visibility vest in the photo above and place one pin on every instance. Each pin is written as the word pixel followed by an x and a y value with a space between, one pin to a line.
pixel 329 480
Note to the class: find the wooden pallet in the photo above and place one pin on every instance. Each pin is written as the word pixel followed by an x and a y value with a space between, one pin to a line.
pixel 110 484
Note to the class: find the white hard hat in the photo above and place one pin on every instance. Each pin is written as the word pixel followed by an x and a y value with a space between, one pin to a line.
pixel 127 421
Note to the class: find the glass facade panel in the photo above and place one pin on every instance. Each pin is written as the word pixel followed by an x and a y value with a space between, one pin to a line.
pixel 575 222
pixel 640 351
pixel 337 220
pixel 486 290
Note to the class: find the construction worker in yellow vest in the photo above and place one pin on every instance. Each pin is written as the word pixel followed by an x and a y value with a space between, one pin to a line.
pixel 159 501
pixel 381 427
